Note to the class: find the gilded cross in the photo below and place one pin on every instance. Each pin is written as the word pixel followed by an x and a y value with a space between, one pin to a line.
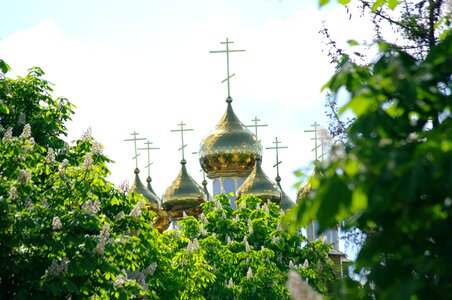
pixel 181 130
pixel 256 125
pixel 148 149
pixel 317 137
pixel 227 51
pixel 277 147
pixel 135 139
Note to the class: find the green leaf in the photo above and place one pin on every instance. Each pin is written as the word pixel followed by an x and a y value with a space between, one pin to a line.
pixel 359 200
pixel 378 4
pixel 351 167
pixel 3 108
pixel 4 67
pixel 344 2
pixel 352 42
pixel 359 105
pixel 323 2
pixel 392 3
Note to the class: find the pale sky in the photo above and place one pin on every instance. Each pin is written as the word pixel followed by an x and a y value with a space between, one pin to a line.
pixel 145 66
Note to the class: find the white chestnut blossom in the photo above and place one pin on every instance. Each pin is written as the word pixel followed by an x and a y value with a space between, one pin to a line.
pixel 136 210
pixel 97 148
pixel 249 273
pixel 50 158
pixel 100 247
pixel 26 133
pixel 88 162
pixel 203 218
pixel 120 280
pixel 58 268
pixel 202 230
pixel 120 215
pixel 230 283
pixel 62 166
pixel 56 223
pixel 151 269
pixel 24 176
pixel 8 135
pixel 92 207
pixel 275 239
pixel 13 195
pixel 192 246
pixel 105 231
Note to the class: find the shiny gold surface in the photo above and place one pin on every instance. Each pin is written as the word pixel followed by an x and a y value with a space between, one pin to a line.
pixel 304 191
pixel 149 186
pixel 162 221
pixel 260 186
pixel 184 194
pixel 230 150
pixel 286 202
pixel 139 188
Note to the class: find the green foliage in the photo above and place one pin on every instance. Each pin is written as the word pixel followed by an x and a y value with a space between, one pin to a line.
pixel 66 232
pixel 250 253
pixel 392 178
pixel 60 234
pixel 27 100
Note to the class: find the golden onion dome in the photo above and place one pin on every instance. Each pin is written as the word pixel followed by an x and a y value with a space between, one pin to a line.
pixel 184 194
pixel 149 186
pixel 260 185
pixel 304 191
pixel 230 149
pixel 286 202
pixel 139 188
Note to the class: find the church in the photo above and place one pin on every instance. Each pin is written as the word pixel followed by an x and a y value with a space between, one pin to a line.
pixel 230 155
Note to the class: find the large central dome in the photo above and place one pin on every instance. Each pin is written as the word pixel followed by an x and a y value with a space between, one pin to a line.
pixel 230 149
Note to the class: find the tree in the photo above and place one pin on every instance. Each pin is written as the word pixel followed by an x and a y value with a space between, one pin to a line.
pixel 419 25
pixel 392 177
pixel 66 232
pixel 28 100
pixel 249 252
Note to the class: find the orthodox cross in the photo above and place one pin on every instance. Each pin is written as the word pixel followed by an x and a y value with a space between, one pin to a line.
pixel 255 125
pixel 135 139
pixel 317 137
pixel 148 148
pixel 181 130
pixel 277 147
pixel 227 62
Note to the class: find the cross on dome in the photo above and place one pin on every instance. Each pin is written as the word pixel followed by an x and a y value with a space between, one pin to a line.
pixel 227 51
pixel 277 147
pixel 135 139
pixel 148 149
pixel 181 130
pixel 317 137
pixel 255 125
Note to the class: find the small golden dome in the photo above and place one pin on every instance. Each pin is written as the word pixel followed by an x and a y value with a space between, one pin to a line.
pixel 304 191
pixel 286 202
pixel 184 194
pixel 139 188
pixel 260 186
pixel 230 150
pixel 149 186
